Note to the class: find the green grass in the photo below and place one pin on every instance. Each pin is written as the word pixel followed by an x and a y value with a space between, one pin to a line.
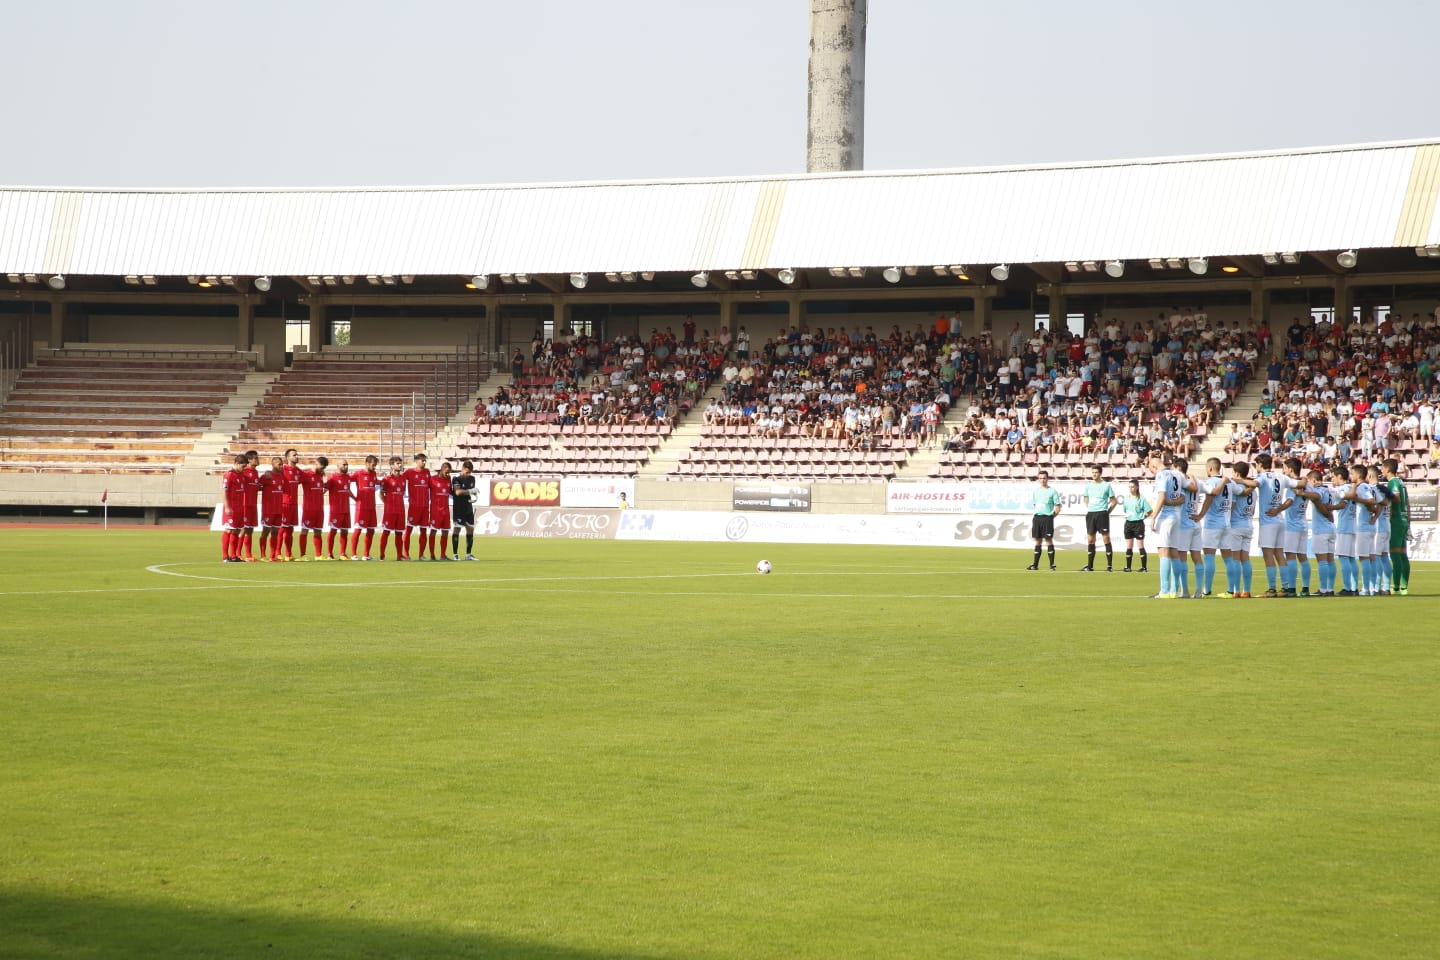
pixel 583 750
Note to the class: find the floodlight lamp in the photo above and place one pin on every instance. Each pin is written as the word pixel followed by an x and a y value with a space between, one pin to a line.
pixel 1347 259
pixel 1001 272
pixel 856 271
pixel 1271 259
pixel 132 279
pixel 647 275
pixel 1115 268
pixel 579 280
pixel 263 284
pixel 891 274
pixel 786 276
pixel 1198 265
pixel 1072 266
pixel 701 279
pixel 56 282
pixel 837 271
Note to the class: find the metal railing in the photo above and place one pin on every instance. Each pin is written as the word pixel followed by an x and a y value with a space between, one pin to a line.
pixel 17 351
pixel 455 379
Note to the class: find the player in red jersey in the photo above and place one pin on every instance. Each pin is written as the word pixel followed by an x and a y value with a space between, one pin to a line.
pixel 392 491
pixel 417 514
pixel 367 485
pixel 272 508
pixel 251 473
pixel 440 511
pixel 233 514
pixel 337 487
pixel 312 504
pixel 290 486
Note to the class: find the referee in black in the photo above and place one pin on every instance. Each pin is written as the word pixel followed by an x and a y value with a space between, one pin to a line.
pixel 462 510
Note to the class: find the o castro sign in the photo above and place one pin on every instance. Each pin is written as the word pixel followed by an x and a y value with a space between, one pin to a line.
pixel 525 493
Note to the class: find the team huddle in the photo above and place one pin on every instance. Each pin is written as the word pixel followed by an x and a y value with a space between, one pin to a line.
pixel 288 498
pixel 1355 522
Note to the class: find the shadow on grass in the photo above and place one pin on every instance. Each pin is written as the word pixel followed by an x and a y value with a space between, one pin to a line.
pixel 41 926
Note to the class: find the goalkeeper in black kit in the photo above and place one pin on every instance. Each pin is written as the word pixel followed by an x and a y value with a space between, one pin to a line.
pixel 462 510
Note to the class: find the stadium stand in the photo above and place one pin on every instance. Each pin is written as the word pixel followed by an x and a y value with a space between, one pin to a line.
pixel 336 405
pixel 92 412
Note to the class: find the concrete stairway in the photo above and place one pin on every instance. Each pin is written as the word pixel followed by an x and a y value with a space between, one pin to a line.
pixel 1246 405
pixel 203 457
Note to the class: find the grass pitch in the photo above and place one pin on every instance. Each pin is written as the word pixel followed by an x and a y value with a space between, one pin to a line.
pixel 585 750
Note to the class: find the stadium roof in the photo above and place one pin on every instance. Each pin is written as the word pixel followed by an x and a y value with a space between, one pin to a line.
pixel 1237 205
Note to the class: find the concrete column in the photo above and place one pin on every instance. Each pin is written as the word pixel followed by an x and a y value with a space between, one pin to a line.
pixel 1343 301
pixel 836 110
pixel 57 324
pixel 492 320
pixel 244 325
pixel 1057 310
pixel 1259 305
pixel 728 313
pixel 315 338
pixel 562 316
pixel 796 311
pixel 983 317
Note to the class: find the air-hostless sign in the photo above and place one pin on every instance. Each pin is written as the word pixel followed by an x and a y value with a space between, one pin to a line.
pixel 525 493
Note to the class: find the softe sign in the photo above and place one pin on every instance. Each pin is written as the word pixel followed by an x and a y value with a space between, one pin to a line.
pixel 525 493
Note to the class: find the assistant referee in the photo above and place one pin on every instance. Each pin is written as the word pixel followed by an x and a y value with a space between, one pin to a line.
pixel 1100 499
pixel 1045 502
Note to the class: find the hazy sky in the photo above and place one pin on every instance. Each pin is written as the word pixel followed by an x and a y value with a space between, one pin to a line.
pixel 308 93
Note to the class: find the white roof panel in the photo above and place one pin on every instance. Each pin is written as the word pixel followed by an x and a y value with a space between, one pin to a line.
pixel 1327 199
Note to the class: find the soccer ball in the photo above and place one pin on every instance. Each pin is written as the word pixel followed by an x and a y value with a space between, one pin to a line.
pixel 763 566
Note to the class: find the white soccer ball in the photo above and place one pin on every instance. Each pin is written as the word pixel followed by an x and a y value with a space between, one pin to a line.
pixel 763 567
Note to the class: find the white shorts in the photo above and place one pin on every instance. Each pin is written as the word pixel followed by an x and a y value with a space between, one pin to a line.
pixel 1238 539
pixel 1322 544
pixel 1272 536
pixel 1364 543
pixel 1345 545
pixel 1297 542
pixel 1188 540
pixel 1212 537
pixel 1167 532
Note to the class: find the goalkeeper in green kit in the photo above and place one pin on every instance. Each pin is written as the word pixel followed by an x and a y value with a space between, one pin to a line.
pixel 1399 499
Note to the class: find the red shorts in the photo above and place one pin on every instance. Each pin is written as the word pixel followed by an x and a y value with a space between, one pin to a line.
pixel 440 519
pixel 394 522
pixel 290 514
pixel 313 520
pixel 419 516
pixel 339 521
pixel 275 518
pixel 252 514
pixel 365 519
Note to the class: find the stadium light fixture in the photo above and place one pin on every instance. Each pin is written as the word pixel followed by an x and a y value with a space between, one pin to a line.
pixel 747 274
pixel 732 274
pixel 480 281
pixel 1198 265
pixel 627 276
pixel 1001 272
pixel 786 276
pixel 891 274
pixel 1156 263
pixel 1115 268
pixel 701 279
pixel 958 270
pixel 1347 259
pixel 856 272
pixel 148 280
pixel 1429 250
pixel 132 280
pixel 56 282
pixel 647 275
pixel 911 271
pixel 1090 266
pixel 1072 266
pixel 1174 263
pixel 1291 258
pixel 373 279
pixel 519 278
pixel 1271 259
pixel 1229 268
pixel 611 276
pixel 388 279
pixel 579 280
pixel 837 271
pixel 263 284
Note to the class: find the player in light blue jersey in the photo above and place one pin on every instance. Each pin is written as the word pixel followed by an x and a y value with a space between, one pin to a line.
pixel 1214 517
pixel 1272 492
pixel 1323 506
pixel 1366 506
pixel 1240 530
pixel 1345 555
pixel 1385 568
pixel 1296 572
pixel 1168 503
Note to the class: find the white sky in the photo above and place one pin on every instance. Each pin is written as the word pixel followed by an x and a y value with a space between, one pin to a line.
pixel 309 93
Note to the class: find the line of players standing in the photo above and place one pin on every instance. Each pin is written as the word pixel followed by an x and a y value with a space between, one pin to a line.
pixel 1355 522
pixel 288 498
